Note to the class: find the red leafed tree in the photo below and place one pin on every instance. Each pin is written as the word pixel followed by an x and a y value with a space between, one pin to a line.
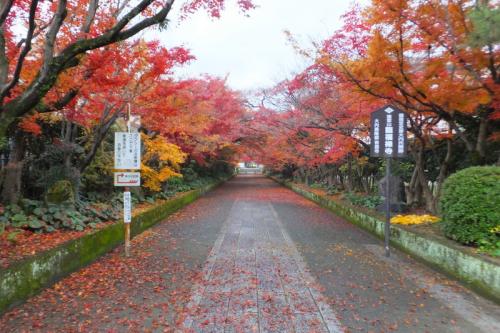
pixel 201 116
pixel 122 77
pixel 58 33
pixel 45 46
pixel 418 55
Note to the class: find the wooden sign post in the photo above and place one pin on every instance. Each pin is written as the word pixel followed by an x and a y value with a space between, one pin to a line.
pixel 127 157
pixel 388 138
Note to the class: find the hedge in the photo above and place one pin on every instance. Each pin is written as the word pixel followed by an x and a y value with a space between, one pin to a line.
pixel 470 207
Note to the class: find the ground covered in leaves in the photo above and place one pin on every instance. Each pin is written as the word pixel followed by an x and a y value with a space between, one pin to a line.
pixel 165 285
pixel 18 244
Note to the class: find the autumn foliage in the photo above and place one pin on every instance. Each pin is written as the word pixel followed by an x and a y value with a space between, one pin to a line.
pixel 71 70
pixel 427 58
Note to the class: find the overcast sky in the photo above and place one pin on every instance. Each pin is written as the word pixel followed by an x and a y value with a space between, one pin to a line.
pixel 253 51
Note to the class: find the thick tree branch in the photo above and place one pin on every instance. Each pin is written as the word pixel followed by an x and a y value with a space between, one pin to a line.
pixel 5 10
pixel 59 104
pixel 99 136
pixel 50 39
pixel 48 75
pixel 5 89
pixel 89 18
pixel 4 62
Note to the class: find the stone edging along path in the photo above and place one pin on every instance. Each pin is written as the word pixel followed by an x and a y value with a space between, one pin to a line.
pixel 26 278
pixel 475 272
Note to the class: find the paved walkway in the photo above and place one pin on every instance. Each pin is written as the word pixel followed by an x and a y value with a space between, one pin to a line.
pixel 255 280
pixel 252 256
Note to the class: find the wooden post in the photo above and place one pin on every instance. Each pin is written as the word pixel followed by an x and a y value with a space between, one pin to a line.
pixel 127 224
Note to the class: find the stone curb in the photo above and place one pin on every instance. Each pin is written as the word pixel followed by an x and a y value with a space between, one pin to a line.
pixel 31 275
pixel 478 274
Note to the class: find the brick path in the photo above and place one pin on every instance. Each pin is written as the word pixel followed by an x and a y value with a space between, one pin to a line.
pixel 256 281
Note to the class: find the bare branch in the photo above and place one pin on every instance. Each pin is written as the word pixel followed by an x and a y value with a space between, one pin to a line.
pixel 89 19
pixel 5 10
pixel 4 62
pixel 51 35
pixel 4 91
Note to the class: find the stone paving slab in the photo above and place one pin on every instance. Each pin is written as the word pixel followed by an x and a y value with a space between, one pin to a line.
pixel 201 269
pixel 255 280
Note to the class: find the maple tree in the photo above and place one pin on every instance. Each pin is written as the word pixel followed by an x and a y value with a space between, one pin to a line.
pixel 203 116
pixel 70 58
pixel 161 161
pixel 107 82
pixel 416 55
pixel 58 34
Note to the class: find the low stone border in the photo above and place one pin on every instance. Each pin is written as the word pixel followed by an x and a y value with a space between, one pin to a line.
pixel 475 272
pixel 26 278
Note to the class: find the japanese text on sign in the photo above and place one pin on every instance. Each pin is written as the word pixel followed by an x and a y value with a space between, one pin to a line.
pixel 127 207
pixel 127 150
pixel 388 132
pixel 127 179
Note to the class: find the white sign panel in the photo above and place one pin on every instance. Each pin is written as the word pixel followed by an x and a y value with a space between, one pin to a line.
pixel 389 134
pixel 127 207
pixel 127 151
pixel 401 134
pixel 127 179
pixel 376 136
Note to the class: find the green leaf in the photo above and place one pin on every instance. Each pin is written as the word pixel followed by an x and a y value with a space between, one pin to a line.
pixel 38 211
pixel 19 217
pixel 47 218
pixel 59 216
pixel 15 209
pixel 12 236
pixel 35 223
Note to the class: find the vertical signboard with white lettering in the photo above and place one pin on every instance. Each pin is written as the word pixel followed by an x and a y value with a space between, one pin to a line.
pixel 388 133
pixel 127 207
pixel 388 139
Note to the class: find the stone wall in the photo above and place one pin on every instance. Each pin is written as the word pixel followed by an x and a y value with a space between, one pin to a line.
pixel 476 272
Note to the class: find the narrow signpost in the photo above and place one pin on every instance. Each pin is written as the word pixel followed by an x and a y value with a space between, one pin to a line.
pixel 388 138
pixel 128 157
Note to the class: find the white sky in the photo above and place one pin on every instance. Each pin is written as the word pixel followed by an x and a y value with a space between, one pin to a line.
pixel 253 51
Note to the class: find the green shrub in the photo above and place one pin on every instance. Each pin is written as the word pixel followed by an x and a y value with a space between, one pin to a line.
pixel 331 190
pixel 60 192
pixel 470 207
pixel 318 185
pixel 41 217
pixel 369 201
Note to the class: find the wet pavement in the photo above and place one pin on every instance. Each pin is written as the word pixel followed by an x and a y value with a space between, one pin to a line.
pixel 252 256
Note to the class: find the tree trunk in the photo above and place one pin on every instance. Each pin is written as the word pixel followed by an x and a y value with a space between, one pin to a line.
pixel 481 138
pixel 12 173
pixel 411 190
pixel 443 171
pixel 330 178
pixel 430 203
